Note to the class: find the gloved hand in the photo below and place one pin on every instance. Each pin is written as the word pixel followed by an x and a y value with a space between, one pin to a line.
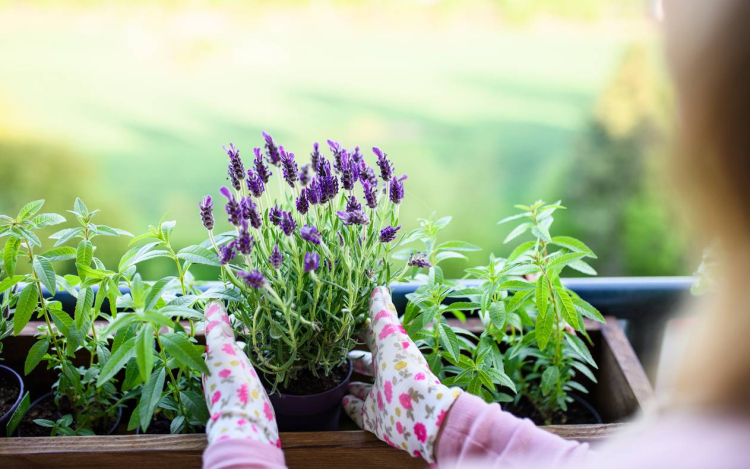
pixel 407 404
pixel 237 402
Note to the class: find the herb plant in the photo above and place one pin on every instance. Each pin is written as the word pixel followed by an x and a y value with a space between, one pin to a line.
pixel 307 258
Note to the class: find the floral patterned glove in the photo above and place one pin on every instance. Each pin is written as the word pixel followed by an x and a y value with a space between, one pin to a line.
pixel 407 404
pixel 236 399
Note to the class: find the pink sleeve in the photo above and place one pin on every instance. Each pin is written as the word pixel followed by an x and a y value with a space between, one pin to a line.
pixel 476 432
pixel 242 454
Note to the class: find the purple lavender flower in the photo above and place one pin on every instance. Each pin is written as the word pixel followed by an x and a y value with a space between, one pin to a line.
pixel 323 166
pixel 310 234
pixel 260 167
pixel 357 217
pixel 386 167
pixel 236 168
pixel 251 213
pixel 276 258
pixel 272 151
pixel 348 176
pixel 371 195
pixel 337 154
pixel 302 203
pixel 315 157
pixel 367 175
pixel 233 207
pixel 254 279
pixel 207 212
pixel 312 261
pixel 288 225
pixel 397 190
pixel 419 260
pixel 304 175
pixel 288 167
pixel 274 215
pixel 245 242
pixel 352 205
pixel 255 184
pixel 233 179
pixel 388 234
pixel 226 252
pixel 312 192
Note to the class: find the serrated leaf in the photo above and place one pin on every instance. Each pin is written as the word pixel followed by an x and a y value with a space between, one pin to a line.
pixel 116 362
pixel 35 355
pixel 583 369
pixel 549 379
pixel 199 255
pixel 228 294
pixel 63 236
pixel 48 219
pixel 196 405
pixel 497 315
pixel 150 397
pixel 449 341
pixel 569 312
pixel 520 249
pixel 514 217
pixel 572 244
pixel 181 312
pixel 587 310
pixel 516 285
pixel 156 291
pixel 580 348
pixel 560 261
pixel 64 253
pixel 185 352
pixel 457 246
pixel 582 267
pixel 80 207
pixel 500 378
pixel 62 321
pixel 140 254
pixel 84 256
pixel 475 386
pixel 444 255
pixel 27 302
pixel 517 231
pixel 83 308
pixel 10 282
pixel 545 321
pixel 10 255
pixel 18 415
pixel 29 209
pixel 542 294
pixel 46 273
pixel 144 351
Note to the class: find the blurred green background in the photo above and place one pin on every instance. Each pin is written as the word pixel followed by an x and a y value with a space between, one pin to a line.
pixel 483 103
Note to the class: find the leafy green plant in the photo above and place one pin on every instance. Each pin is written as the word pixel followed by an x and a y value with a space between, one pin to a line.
pixel 306 259
pixel 530 340
pixel 62 338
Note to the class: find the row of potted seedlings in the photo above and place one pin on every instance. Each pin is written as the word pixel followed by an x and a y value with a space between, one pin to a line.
pixel 296 268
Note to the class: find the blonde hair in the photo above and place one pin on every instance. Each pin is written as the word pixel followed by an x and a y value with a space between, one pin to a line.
pixel 708 48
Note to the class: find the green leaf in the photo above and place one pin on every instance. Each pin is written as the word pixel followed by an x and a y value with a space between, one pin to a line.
pixel 572 244
pixel 462 306
pixel 10 255
pixel 150 397
pixel 116 362
pixel 10 282
pixel 444 255
pixel 221 294
pixel 517 231
pixel 560 261
pixel 522 248
pixel 35 355
pixel 185 352
pixel 541 230
pixel 516 285
pixel 457 246
pixel 501 379
pixel 545 321
pixel 582 267
pixel 112 293
pixel 63 236
pixel 138 292
pixel 27 302
pixel 449 340
pixel 580 348
pixel 513 217
pixel 18 415
pixel 29 209
pixel 181 311
pixel 144 351
pixel 64 253
pixel 80 207
pixel 475 386
pixel 587 310
pixel 62 321
pixel 497 315
pixel 140 254
pixel 196 405
pixel 542 294
pixel 47 219
pixel 568 311
pixel 84 256
pixel 46 273
pixel 199 255
pixel 549 379
pixel 583 369
pixel 83 308
pixel 156 291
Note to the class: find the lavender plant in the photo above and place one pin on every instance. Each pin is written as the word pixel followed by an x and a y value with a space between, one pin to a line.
pixel 307 258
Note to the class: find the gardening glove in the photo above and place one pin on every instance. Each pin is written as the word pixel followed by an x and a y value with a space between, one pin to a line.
pixel 407 404
pixel 237 402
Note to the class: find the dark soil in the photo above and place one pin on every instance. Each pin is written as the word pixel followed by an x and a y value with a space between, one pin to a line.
pixel 159 426
pixel 307 383
pixel 48 410
pixel 9 391
pixel 577 414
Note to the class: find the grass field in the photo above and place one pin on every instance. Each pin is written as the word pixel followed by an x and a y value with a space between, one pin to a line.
pixel 478 118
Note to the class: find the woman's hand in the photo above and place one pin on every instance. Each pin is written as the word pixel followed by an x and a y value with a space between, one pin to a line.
pixel 237 402
pixel 407 404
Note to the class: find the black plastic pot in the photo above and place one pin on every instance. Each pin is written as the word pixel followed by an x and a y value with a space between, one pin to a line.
pixel 314 412
pixel 585 404
pixel 12 375
pixel 50 395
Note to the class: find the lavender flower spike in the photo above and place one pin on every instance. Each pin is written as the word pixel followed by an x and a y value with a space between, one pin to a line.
pixel 260 167
pixel 315 157
pixel 245 242
pixel 418 260
pixel 226 252
pixel 254 279
pixel 388 234
pixel 289 167
pixel 357 217
pixel 352 205
pixel 397 191
pixel 304 175
pixel 236 168
pixel 233 207
pixel 312 261
pixel 310 234
pixel 207 212
pixel 255 184
pixel 272 151
pixel 386 167
pixel 288 225
pixel 276 258
pixel 371 196
pixel 274 215
pixel 303 204
pixel 250 212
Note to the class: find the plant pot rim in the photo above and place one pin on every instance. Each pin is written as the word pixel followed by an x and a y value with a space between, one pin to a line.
pixel 15 405
pixel 344 382
pixel 45 396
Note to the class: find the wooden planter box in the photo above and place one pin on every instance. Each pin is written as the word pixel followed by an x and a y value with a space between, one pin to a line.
pixel 622 392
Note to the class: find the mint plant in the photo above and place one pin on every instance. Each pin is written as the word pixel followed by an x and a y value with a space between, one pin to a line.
pixel 306 259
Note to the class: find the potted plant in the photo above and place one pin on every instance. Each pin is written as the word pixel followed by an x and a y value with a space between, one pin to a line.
pixel 305 260
pixel 529 353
